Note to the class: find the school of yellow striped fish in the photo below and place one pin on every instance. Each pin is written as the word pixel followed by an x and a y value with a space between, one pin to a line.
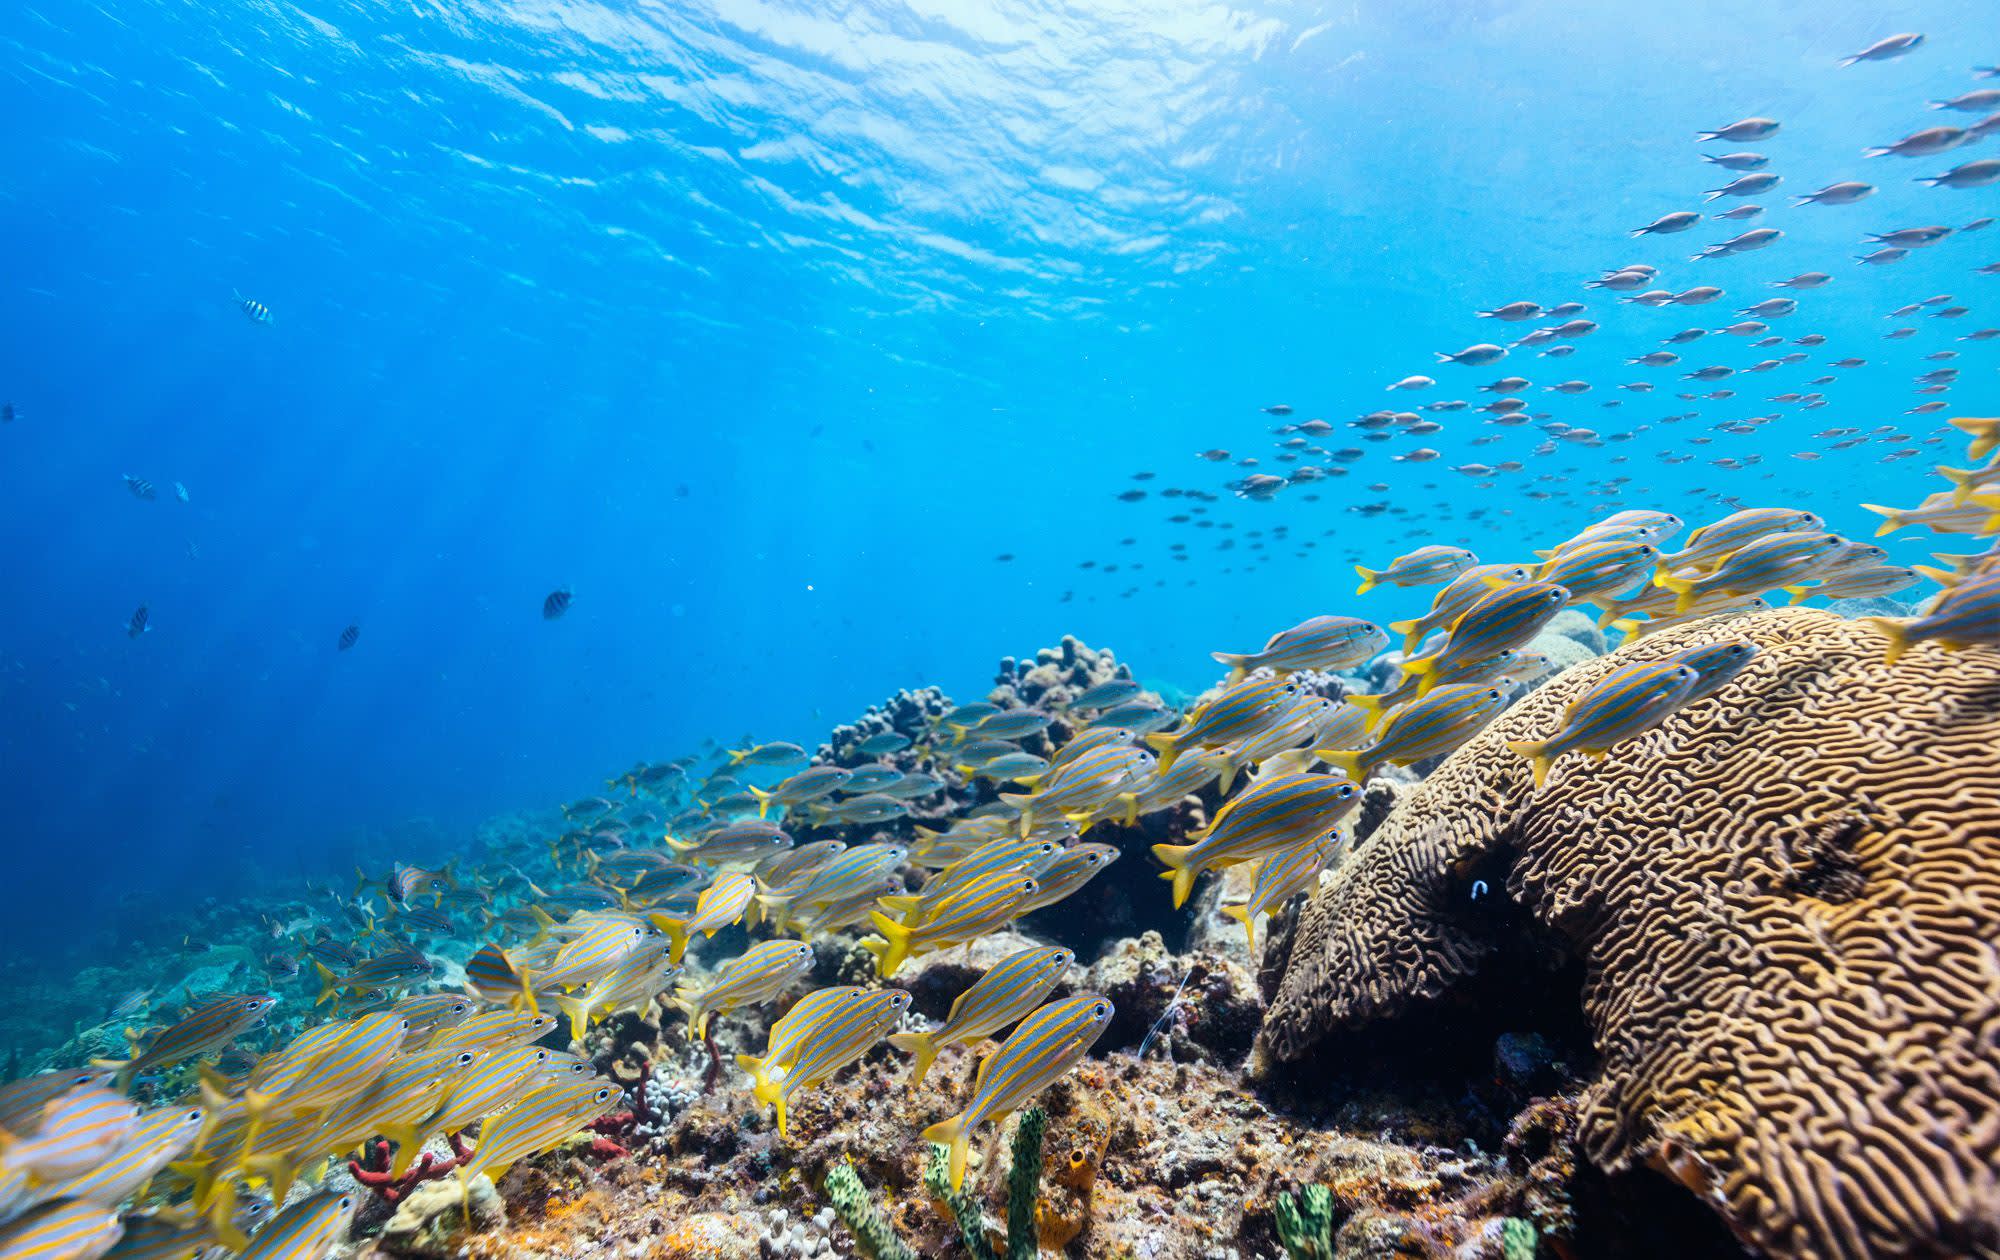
pixel 107 1158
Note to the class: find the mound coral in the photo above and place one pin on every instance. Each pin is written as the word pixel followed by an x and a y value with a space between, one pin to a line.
pixel 1787 902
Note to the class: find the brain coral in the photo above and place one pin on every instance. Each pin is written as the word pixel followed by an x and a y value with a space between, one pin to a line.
pixel 1787 903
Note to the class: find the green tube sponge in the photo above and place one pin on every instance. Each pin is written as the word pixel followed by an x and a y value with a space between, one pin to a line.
pixel 1305 1223
pixel 964 1206
pixel 1024 1187
pixel 872 1236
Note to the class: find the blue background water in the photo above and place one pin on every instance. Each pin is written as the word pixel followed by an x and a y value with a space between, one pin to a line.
pixel 766 327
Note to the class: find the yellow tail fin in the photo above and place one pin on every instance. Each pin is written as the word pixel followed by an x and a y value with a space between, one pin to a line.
pixel 896 948
pixel 952 1134
pixel 328 983
pixel 677 935
pixel 1349 761
pixel 1370 579
pixel 1536 751
pixel 1175 857
pixel 1893 518
pixel 1168 749
pixel 1898 634
pixel 923 1050
pixel 1249 923
pixel 1238 669
pixel 579 1015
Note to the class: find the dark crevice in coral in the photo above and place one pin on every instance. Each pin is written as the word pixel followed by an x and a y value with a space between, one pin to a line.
pixel 1516 1030
pixel 1641 1215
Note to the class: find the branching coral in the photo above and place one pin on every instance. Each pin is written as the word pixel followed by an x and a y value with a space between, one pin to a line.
pixel 372 1170
pixel 1786 899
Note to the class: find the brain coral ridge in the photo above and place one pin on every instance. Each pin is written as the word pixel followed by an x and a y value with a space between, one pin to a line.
pixel 1787 904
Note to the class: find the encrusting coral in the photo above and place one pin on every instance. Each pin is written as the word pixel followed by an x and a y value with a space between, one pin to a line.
pixel 1786 899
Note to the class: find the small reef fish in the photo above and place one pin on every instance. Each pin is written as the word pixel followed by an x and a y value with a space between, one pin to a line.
pixel 1038 1053
pixel 1773 561
pixel 721 904
pixel 1105 695
pixel 790 1031
pixel 1429 727
pixel 779 754
pixel 984 905
pixel 1940 513
pixel 202 1031
pixel 1283 806
pixel 632 985
pixel 1868 583
pixel 543 1117
pixel 1504 620
pixel 1165 789
pixel 138 623
pixel 1714 664
pixel 757 975
pixel 348 638
pixel 1073 868
pixel 1079 787
pixel 1281 874
pixel 1426 566
pixel 1604 567
pixel 881 745
pixel 65 1229
pixel 1966 615
pixel 556 603
pixel 1325 643
pixel 1711 544
pixel 1463 591
pixel 1239 711
pixel 1006 852
pixel 1013 986
pixel 841 1033
pixel 748 841
pixel 807 785
pixel 1625 703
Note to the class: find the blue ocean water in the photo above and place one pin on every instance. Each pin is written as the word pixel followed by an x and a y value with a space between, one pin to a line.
pixel 766 328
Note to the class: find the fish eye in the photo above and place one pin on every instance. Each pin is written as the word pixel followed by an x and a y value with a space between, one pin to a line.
pixel 1100 1010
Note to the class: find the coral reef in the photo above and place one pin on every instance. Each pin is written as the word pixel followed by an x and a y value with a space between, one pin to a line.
pixel 1785 900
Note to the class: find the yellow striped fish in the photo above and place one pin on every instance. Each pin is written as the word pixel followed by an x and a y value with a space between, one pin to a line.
pixel 1072 869
pixel 596 949
pixel 1046 1045
pixel 1465 590
pixel 156 1140
pixel 843 1033
pixel 632 984
pixel 789 1032
pixel 1284 806
pixel 1627 702
pixel 1014 986
pixel 1287 871
pixel 491 1030
pixel 983 905
pixel 1329 643
pixel 1503 621
pixel 307 1230
pixel 758 974
pixel 1166 789
pixel 722 903
pixel 545 1116
pixel 1006 853
pixel 71 1134
pixel 1426 566
pixel 1077 788
pixel 1239 711
pixel 492 1083
pixel 1432 726
pixel 202 1031
pixel 66 1229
